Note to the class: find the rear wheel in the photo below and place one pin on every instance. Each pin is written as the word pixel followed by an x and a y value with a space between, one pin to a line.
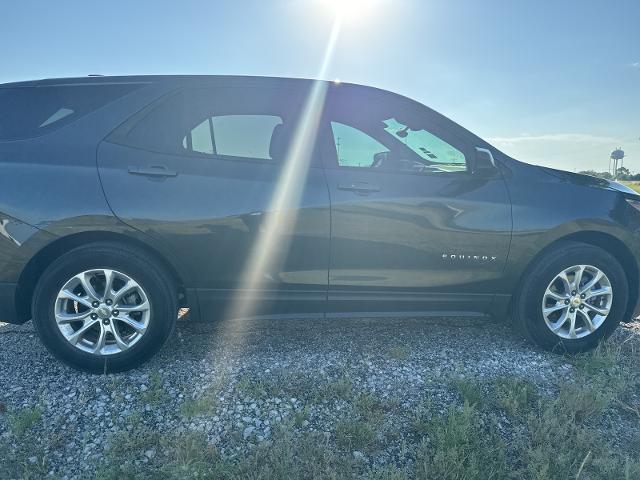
pixel 104 307
pixel 572 298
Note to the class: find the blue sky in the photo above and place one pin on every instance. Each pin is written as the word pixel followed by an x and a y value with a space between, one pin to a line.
pixel 549 82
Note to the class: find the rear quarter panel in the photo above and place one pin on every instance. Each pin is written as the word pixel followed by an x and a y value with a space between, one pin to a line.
pixel 50 188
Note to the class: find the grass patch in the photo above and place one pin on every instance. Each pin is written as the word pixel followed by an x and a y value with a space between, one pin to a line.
pixel 284 384
pixel 341 389
pixel 206 403
pixel 155 394
pixel 300 417
pixel 300 457
pixel 469 391
pixel 369 408
pixel 559 446
pixel 460 446
pixel 189 455
pixel 20 455
pixel 515 395
pixel 124 448
pixel 355 434
pixel 605 359
pixel 360 430
pixel 420 419
pixel 388 472
pixel 17 464
pixel 253 388
pixel 566 435
pixel 24 420
pixel 633 185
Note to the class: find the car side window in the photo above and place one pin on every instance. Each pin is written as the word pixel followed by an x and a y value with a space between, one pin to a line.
pixel 428 146
pixel 246 136
pixel 355 148
pixel 200 138
pixel 405 150
pixel 384 133
pixel 210 122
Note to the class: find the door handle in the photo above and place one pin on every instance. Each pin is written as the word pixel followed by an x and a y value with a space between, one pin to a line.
pixel 359 188
pixel 153 171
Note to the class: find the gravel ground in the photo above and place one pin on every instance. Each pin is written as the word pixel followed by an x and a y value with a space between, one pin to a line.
pixel 236 383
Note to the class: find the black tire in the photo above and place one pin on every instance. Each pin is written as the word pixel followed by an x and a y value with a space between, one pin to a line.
pixel 527 305
pixel 135 263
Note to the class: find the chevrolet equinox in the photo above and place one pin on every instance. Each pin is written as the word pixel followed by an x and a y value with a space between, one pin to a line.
pixel 123 199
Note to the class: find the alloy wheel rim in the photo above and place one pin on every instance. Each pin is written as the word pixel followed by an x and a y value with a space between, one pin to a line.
pixel 102 311
pixel 577 301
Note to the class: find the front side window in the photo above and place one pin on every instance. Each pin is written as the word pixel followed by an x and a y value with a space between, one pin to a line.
pixel 372 133
pixel 354 147
pixel 432 149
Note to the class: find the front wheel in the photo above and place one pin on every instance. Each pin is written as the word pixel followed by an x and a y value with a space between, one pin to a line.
pixel 572 298
pixel 104 307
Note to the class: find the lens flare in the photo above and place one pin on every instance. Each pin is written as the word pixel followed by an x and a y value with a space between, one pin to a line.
pixel 281 214
pixel 350 10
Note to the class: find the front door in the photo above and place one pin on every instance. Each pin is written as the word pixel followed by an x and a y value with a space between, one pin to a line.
pixel 411 228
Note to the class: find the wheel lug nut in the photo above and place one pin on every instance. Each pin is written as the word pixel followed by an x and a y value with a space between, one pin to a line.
pixel 566 302
pixel 582 295
pixel 572 310
pixel 581 307
pixel 95 304
pixel 574 292
pixel 115 313
pixel 94 316
pixel 106 321
pixel 109 302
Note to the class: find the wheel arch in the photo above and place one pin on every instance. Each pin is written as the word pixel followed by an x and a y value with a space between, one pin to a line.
pixel 43 258
pixel 610 244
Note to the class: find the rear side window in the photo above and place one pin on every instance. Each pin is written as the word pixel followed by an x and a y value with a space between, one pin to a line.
pixel 27 112
pixel 245 136
pixel 235 123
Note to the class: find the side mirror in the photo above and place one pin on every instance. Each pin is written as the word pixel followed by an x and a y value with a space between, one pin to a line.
pixel 483 163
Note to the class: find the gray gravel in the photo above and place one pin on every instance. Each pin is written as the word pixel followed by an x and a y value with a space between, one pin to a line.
pixel 239 366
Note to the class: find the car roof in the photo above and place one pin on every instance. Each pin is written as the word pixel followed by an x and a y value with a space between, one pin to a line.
pixel 107 79
pixel 240 80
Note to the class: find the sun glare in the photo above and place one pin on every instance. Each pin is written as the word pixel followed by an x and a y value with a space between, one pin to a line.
pixel 289 189
pixel 350 10
pixel 287 194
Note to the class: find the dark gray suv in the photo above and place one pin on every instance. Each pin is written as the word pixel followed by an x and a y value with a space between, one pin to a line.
pixel 125 198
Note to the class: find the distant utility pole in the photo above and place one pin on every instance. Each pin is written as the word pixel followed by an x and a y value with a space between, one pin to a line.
pixel 616 156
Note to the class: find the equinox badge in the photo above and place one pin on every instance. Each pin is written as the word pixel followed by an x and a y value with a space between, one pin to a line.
pixel 472 258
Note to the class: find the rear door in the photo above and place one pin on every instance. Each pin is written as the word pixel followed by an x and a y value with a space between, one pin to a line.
pixel 202 171
pixel 412 229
